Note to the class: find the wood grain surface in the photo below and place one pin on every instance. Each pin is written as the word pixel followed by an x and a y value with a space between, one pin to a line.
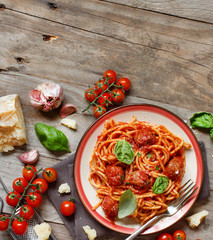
pixel 164 47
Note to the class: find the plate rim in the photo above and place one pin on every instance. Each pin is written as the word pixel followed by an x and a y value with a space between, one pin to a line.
pixel 100 119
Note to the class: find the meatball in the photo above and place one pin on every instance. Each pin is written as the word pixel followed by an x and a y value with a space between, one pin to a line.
pixel 115 175
pixel 175 168
pixel 110 207
pixel 144 137
pixel 139 179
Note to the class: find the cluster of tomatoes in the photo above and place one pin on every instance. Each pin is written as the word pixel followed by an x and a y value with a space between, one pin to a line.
pixel 107 91
pixel 33 197
pixel 177 235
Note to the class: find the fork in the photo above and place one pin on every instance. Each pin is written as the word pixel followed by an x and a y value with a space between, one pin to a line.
pixel 187 190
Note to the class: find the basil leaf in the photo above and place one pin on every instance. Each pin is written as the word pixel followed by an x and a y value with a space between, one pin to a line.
pixel 51 138
pixel 202 120
pixel 160 185
pixel 211 134
pixel 124 152
pixel 127 204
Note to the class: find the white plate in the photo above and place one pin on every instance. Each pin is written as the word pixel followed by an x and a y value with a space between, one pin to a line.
pixel 148 113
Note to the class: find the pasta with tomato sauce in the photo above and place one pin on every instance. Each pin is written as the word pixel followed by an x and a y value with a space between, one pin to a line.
pixel 156 152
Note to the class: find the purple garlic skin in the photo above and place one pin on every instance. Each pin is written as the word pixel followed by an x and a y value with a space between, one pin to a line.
pixel 29 157
pixel 66 110
pixel 47 96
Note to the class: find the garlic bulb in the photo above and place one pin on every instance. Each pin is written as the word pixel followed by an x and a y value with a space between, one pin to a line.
pixel 47 96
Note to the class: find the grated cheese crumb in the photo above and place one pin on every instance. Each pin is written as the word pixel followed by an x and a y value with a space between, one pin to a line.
pixel 91 233
pixel 64 188
pixel 42 230
pixel 195 219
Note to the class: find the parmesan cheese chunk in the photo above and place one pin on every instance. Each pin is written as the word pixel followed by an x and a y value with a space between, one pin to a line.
pixel 64 188
pixel 42 230
pixel 195 219
pixel 70 123
pixel 91 233
pixel 12 127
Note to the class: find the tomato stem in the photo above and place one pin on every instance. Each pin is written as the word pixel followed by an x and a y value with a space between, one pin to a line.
pixel 20 199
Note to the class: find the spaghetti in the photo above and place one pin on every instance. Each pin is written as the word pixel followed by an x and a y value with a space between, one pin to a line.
pixel 157 152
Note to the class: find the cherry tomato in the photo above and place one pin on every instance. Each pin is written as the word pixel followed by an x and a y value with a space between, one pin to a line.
pixel 101 86
pixel 118 95
pixel 19 184
pixel 99 111
pixel 91 94
pixel 28 172
pixel 19 226
pixel 111 75
pixel 34 199
pixel 39 185
pixel 165 236
pixel 27 212
pixel 105 100
pixel 179 235
pixel 50 175
pixel 67 207
pixel 4 222
pixel 125 82
pixel 12 198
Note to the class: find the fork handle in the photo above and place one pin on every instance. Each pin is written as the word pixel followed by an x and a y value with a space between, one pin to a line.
pixel 144 227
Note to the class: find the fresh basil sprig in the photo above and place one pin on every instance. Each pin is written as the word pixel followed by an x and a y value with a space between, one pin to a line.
pixel 203 120
pixel 127 204
pixel 124 152
pixel 160 185
pixel 51 138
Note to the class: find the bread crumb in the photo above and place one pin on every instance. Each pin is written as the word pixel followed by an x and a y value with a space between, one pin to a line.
pixel 42 230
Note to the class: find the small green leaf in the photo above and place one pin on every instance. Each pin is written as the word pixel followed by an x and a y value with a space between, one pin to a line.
pixel 124 152
pixel 157 167
pixel 51 138
pixel 202 120
pixel 211 134
pixel 149 155
pixel 160 185
pixel 127 204
pixel 139 154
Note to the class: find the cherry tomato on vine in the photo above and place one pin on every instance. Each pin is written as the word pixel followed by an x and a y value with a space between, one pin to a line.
pixel 19 184
pixel 91 94
pixel 111 75
pixel 105 99
pixel 50 175
pixel 118 95
pixel 179 235
pixel 28 172
pixel 19 226
pixel 99 111
pixel 4 222
pixel 67 208
pixel 12 198
pixel 34 199
pixel 101 86
pixel 39 185
pixel 26 212
pixel 165 236
pixel 125 82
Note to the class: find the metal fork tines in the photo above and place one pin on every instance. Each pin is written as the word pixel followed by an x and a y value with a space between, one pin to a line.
pixel 186 192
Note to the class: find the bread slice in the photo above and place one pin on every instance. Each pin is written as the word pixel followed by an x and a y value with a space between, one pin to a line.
pixel 12 127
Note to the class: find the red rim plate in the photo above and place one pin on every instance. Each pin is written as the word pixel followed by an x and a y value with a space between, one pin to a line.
pixel 112 114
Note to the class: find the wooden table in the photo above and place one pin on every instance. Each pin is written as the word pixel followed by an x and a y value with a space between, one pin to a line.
pixel 164 47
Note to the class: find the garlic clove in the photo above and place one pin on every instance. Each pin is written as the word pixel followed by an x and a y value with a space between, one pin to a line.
pixel 66 110
pixel 47 96
pixel 29 157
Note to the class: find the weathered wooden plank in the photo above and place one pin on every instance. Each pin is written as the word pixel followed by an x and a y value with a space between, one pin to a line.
pixel 192 9
pixel 169 56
